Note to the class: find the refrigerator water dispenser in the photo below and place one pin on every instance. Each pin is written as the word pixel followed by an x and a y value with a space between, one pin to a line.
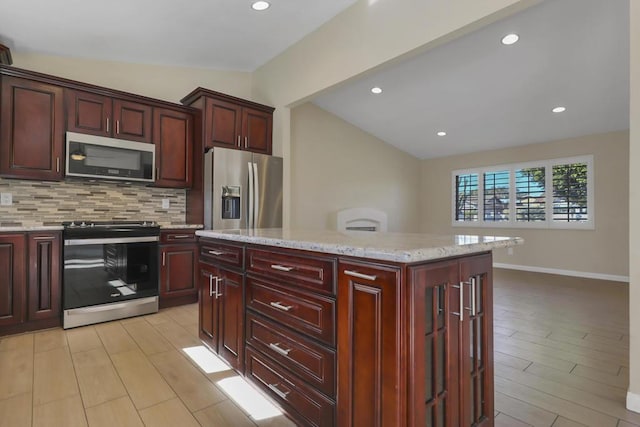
pixel 230 202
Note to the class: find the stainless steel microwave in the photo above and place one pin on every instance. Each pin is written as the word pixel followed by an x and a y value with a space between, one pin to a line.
pixel 93 156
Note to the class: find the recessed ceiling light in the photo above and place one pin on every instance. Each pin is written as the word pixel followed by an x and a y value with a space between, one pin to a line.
pixel 377 90
pixel 510 39
pixel 559 109
pixel 441 133
pixel 260 5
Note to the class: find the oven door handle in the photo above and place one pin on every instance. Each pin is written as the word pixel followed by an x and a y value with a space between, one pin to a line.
pixel 107 240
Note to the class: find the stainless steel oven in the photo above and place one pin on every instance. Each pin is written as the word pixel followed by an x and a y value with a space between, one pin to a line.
pixel 110 271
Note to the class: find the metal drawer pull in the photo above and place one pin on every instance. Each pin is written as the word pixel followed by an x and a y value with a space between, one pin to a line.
pixel 278 349
pixel 274 388
pixel 180 236
pixel 281 267
pixel 278 305
pixel 216 253
pixel 43 238
pixel 360 275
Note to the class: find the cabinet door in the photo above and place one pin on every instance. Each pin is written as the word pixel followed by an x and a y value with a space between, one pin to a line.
pixel 178 270
pixel 88 113
pixel 256 130
pixel 132 121
pixel 173 137
pixel 45 292
pixel 223 124
pixel 31 130
pixel 371 375
pixel 13 278
pixel 476 377
pixel 208 306
pixel 434 332
pixel 231 321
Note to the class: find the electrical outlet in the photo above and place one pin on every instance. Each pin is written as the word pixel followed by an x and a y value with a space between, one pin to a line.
pixel 166 204
pixel 509 251
pixel 6 199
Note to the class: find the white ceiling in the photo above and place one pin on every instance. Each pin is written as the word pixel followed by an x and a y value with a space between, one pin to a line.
pixel 221 34
pixel 572 53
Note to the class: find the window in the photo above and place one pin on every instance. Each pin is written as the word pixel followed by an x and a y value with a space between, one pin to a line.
pixel 554 193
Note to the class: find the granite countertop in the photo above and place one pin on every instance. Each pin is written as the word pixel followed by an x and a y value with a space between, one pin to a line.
pixel 398 247
pixel 181 226
pixel 17 227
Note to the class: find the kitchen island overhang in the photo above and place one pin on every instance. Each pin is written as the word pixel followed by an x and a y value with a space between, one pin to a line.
pixel 355 328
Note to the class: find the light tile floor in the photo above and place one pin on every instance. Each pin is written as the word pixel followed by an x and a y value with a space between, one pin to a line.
pixel 132 372
pixel 561 360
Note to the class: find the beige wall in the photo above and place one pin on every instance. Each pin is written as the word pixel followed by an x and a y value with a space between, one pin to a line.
pixel 603 250
pixel 337 166
pixel 155 81
pixel 633 401
pixel 369 34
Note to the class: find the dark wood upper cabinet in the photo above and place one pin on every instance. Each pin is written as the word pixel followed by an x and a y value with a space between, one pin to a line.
pixel 12 278
pixel 232 122
pixel 173 138
pixel 31 130
pixel 100 115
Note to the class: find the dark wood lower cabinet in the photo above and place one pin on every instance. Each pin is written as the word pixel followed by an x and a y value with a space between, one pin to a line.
pixel 222 313
pixel 30 281
pixel 414 341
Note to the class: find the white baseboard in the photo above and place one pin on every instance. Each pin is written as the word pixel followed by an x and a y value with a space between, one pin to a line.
pixel 585 274
pixel 633 402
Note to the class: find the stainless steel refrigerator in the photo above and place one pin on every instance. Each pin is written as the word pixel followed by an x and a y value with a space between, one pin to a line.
pixel 242 190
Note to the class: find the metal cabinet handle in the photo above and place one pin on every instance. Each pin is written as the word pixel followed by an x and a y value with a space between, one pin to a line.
pixel 218 294
pixel 280 306
pixel 275 346
pixel 472 284
pixel 57 164
pixel 44 238
pixel 164 258
pixel 281 267
pixel 274 388
pixel 211 285
pixel 216 253
pixel 460 313
pixel 246 142
pixel 118 127
pixel 107 124
pixel 180 236
pixel 360 275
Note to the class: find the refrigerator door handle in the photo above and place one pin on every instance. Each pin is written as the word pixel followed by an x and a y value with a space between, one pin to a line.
pixel 256 194
pixel 251 196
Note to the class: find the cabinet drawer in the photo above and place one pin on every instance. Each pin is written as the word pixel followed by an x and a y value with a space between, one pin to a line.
pixel 312 362
pixel 177 236
pixel 302 402
pixel 315 273
pixel 304 312
pixel 215 252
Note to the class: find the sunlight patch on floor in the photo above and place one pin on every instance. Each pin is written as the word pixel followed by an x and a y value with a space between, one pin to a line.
pixel 248 398
pixel 206 360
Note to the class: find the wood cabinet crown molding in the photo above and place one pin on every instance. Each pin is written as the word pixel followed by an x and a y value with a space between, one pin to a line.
pixel 5 55
pixel 6 70
pixel 203 92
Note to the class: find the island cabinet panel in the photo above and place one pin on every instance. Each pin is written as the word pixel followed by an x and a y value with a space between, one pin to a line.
pixel 222 313
pixel 13 276
pixel 450 343
pixel 45 276
pixel 96 114
pixel 173 138
pixel 31 130
pixel 371 372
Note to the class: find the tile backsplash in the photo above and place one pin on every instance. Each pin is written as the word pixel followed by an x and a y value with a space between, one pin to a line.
pixel 42 202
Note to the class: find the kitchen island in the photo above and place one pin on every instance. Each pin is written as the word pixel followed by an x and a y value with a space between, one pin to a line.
pixel 355 328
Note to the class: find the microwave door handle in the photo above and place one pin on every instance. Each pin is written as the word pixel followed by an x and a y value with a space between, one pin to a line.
pixel 256 193
pixel 251 190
